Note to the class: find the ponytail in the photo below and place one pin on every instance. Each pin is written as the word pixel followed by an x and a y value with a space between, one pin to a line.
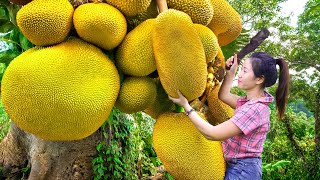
pixel 283 87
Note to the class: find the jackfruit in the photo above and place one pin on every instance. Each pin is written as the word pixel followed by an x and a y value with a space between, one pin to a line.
pixel 151 12
pixel 100 24
pixel 219 111
pixel 135 54
pixel 209 41
pixel 226 22
pixel 136 94
pixel 161 104
pixel 62 92
pixel 179 53
pixel 20 2
pixel 200 11
pixel 130 8
pixel 45 22
pixel 185 153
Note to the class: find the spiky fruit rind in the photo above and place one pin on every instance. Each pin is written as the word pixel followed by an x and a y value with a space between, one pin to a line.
pixel 130 8
pixel 100 24
pixel 185 153
pixel 62 92
pixel 179 53
pixel 45 22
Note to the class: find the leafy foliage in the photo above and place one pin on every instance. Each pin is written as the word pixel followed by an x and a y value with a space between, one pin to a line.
pixel 125 151
pixel 12 41
pixel 4 122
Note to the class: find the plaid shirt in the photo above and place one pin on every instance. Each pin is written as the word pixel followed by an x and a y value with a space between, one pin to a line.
pixel 253 118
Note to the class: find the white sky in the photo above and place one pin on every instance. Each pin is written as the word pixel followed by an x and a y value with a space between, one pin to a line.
pixel 293 6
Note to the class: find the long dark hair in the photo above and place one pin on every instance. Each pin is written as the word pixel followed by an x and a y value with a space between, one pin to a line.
pixel 264 65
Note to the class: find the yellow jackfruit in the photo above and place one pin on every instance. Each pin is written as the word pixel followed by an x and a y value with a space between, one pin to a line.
pixel 200 11
pixel 151 12
pixel 45 22
pixel 100 24
pixel 185 153
pixel 20 2
pixel 62 92
pixel 219 111
pixel 135 54
pixel 161 104
pixel 130 8
pixel 179 53
pixel 226 22
pixel 136 94
pixel 209 41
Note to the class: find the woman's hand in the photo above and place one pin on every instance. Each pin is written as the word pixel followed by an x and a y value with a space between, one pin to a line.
pixel 181 100
pixel 232 64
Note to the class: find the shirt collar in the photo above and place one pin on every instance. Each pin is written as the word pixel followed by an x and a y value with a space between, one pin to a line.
pixel 267 99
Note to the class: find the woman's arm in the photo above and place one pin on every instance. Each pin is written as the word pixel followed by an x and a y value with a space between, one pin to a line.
pixel 224 93
pixel 220 132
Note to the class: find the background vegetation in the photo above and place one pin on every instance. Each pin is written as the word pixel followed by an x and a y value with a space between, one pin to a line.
pixel 292 149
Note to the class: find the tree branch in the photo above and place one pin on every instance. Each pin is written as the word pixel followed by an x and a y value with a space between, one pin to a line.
pixel 254 42
pixel 294 142
pixel 314 65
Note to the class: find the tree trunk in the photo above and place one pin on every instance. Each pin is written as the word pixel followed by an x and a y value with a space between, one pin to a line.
pixel 46 159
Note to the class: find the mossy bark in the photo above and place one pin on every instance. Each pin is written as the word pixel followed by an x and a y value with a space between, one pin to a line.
pixel 46 159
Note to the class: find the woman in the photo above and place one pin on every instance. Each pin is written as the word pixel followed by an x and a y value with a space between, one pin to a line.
pixel 244 134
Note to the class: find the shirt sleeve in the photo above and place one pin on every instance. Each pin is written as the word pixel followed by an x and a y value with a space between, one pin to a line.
pixel 247 118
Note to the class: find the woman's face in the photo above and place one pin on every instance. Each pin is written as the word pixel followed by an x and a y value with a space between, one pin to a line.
pixel 246 77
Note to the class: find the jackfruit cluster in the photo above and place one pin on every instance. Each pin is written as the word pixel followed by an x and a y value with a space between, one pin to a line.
pixel 65 88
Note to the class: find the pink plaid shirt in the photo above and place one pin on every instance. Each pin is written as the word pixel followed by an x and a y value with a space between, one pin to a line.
pixel 253 118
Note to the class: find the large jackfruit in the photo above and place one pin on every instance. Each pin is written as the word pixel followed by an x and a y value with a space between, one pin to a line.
pixel 179 53
pixel 45 22
pixel 185 153
pixel 161 104
pixel 130 8
pixel 136 94
pixel 62 92
pixel 226 22
pixel 209 41
pixel 200 11
pixel 135 55
pixel 218 110
pixel 100 24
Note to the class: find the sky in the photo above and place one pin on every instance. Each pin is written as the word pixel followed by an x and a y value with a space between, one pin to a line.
pixel 293 6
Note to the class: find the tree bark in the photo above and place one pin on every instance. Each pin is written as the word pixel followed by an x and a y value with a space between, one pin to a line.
pixel 46 159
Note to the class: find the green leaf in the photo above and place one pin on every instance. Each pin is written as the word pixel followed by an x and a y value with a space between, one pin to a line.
pixel 25 44
pixel 4 17
pixel 8 52
pixel 6 27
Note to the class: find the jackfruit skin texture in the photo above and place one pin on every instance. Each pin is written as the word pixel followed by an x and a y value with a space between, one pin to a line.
pixel 150 13
pixel 179 53
pixel 100 24
pixel 131 7
pixel 209 41
pixel 62 92
pixel 185 153
pixel 136 94
pixel 135 56
pixel 226 22
pixel 20 2
pixel 200 11
pixel 219 111
pixel 161 104
pixel 45 22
